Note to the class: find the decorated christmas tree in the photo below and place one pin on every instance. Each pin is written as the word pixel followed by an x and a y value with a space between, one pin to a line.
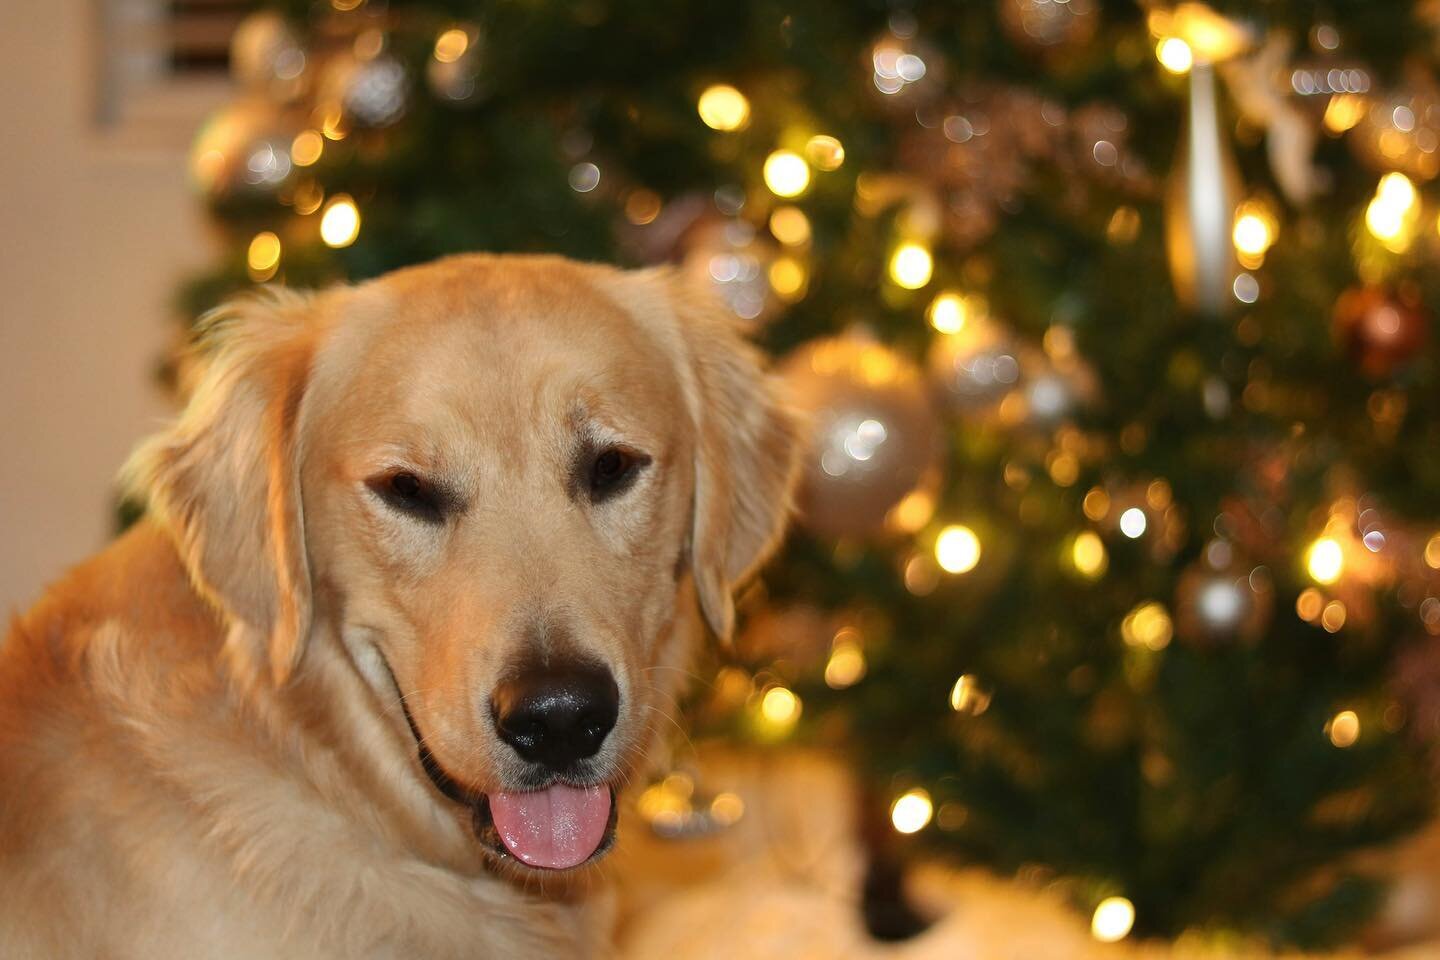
pixel 1117 559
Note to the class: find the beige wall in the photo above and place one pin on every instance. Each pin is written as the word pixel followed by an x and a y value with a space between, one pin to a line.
pixel 94 233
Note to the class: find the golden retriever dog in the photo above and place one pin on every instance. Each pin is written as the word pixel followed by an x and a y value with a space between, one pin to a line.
pixel 424 561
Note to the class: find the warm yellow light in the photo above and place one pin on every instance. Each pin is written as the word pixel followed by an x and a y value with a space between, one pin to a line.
pixel 1148 625
pixel 788 277
pixel 1344 111
pixel 846 666
pixel 1332 618
pixel 724 108
pixel 1343 729
pixel 1252 235
pixel 1397 190
pixel 1432 552
pixel 786 173
pixel 727 808
pixel 948 312
pixel 1133 523
pixel 306 148
pixel 1309 604
pixel 780 707
pixel 911 811
pixel 263 255
pixel 911 266
pixel 912 512
pixel 1174 55
pixel 825 152
pixel 967 696
pixel 790 226
pixel 1325 560
pixel 957 549
pixel 332 122
pixel 1088 555
pixel 451 45
pixel 340 223
pixel 1112 920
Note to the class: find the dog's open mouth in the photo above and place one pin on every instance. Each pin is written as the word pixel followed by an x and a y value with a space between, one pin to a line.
pixel 557 828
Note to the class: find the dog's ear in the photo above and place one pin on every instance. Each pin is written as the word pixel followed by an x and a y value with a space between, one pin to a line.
pixel 747 451
pixel 224 478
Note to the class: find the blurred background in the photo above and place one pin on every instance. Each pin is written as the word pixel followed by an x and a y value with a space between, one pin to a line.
pixel 1116 580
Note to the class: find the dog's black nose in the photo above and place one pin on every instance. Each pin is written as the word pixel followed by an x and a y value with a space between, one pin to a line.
pixel 558 714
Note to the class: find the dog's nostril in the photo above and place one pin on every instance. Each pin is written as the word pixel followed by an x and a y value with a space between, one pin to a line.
pixel 558 714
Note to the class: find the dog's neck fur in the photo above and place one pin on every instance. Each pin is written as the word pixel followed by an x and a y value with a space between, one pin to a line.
pixel 267 781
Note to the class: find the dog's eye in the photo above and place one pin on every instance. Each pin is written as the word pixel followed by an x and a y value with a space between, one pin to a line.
pixel 407 493
pixel 613 470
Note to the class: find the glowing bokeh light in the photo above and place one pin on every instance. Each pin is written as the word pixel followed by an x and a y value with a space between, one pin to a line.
pixel 786 173
pixel 957 549
pixel 911 811
pixel 1113 918
pixel 722 107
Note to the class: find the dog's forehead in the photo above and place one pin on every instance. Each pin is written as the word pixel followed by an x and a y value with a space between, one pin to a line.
pixel 534 339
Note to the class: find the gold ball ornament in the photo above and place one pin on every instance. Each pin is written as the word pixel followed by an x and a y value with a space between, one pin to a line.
pixel 738 262
pixel 265 56
pixel 875 434
pixel 1048 25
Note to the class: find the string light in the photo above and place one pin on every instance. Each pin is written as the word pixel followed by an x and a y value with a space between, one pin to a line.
pixel 1432 552
pixel 451 45
pixel 1133 523
pixel 911 811
pixel 1325 560
pixel 957 549
pixel 1113 919
pixel 1391 215
pixel 788 278
pixel 786 173
pixel 1254 233
pixel 722 107
pixel 790 226
pixel 1174 55
pixel 968 697
pixel 306 148
pixel 1343 729
pixel 779 711
pixel 1089 556
pixel 263 256
pixel 948 312
pixel 911 266
pixel 846 666
pixel 1148 626
pixel 340 223
pixel 825 152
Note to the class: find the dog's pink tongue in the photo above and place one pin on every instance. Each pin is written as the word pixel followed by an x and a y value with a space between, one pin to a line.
pixel 557 828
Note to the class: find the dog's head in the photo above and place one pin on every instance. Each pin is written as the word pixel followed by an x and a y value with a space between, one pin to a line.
pixel 504 486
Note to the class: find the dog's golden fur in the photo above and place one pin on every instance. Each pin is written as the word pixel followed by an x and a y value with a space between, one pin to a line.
pixel 202 746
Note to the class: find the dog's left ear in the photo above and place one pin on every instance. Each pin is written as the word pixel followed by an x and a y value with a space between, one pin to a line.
pixel 224 479
pixel 747 452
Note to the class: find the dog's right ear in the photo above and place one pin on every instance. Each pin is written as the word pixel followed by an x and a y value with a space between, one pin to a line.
pixel 224 478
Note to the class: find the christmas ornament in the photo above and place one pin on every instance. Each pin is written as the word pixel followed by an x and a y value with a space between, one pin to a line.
pixel 371 91
pixel 453 71
pixel 738 261
pixel 1200 201
pixel 1271 96
pixel 875 434
pixel 265 56
pixel 1401 131
pixel 245 147
pixel 973 368
pixel 1380 330
pixel 1219 598
pixel 1043 25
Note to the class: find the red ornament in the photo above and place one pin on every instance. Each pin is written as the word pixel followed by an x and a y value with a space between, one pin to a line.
pixel 1380 330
